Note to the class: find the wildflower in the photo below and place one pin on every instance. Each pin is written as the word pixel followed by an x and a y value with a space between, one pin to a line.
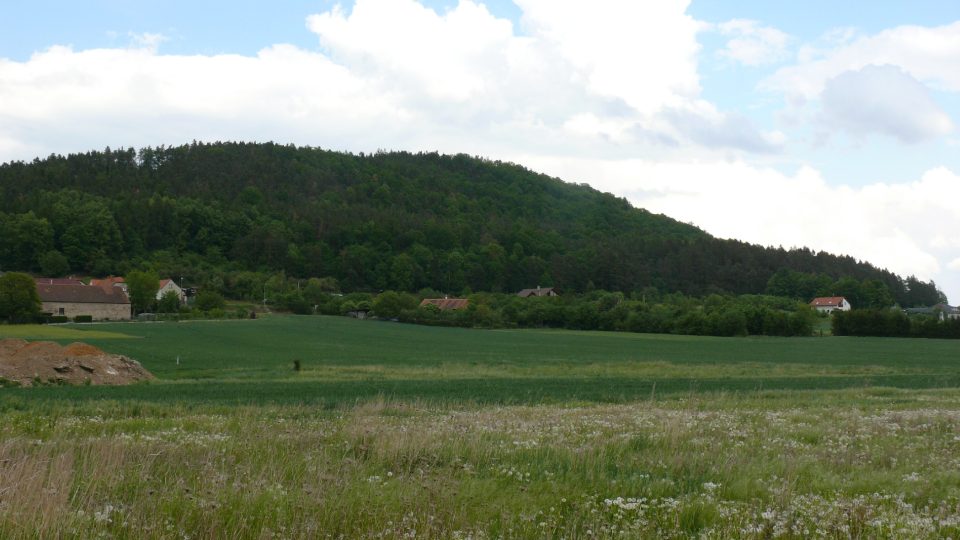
pixel 912 477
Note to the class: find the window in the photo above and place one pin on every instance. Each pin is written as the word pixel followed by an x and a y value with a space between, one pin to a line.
pixel 60 311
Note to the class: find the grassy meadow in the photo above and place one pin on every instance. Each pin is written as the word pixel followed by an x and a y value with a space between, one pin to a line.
pixel 397 431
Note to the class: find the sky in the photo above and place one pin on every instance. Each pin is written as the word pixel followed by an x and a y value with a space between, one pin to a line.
pixel 829 125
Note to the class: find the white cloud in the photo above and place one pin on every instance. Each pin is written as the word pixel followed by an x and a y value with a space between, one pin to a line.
pixel 62 100
pixel 602 56
pixel 894 226
pixel 954 264
pixel 618 77
pixel 643 53
pixel 753 44
pixel 930 55
pixel 455 56
pixel 883 99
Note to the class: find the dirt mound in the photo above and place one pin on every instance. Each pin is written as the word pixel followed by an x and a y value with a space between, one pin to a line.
pixel 82 349
pixel 46 362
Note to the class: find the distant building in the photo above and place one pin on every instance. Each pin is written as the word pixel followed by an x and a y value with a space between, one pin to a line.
pixel 830 304
pixel 947 311
pixel 70 300
pixel 941 312
pixel 539 291
pixel 446 304
pixel 170 285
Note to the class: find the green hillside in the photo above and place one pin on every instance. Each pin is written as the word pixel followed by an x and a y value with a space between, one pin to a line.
pixel 401 221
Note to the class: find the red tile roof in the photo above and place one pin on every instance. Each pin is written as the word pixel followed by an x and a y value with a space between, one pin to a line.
pixel 108 281
pixel 82 294
pixel 827 301
pixel 446 303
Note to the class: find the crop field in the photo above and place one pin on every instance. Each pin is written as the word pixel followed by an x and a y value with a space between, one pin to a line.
pixel 397 431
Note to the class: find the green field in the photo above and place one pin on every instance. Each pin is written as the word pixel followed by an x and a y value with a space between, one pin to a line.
pixel 397 431
pixel 345 360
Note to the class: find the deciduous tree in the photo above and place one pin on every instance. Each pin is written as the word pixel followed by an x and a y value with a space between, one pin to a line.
pixel 142 288
pixel 19 300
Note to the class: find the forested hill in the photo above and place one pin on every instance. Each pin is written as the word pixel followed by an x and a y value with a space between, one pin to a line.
pixel 382 221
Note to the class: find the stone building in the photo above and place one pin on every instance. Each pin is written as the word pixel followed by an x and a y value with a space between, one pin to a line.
pixel 101 303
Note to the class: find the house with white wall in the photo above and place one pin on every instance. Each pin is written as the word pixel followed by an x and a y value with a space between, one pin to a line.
pixel 829 304
pixel 170 285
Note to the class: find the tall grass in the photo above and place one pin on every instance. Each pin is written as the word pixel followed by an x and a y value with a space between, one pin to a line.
pixel 852 463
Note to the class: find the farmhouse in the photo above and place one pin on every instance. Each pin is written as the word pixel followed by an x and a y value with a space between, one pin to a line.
pixel 539 291
pixel 170 285
pixel 828 304
pixel 446 304
pixel 101 303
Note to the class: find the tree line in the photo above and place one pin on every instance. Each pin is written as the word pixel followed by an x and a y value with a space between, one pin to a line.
pixel 893 323
pixel 647 311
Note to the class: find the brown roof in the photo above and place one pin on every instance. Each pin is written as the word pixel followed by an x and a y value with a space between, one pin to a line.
pixel 82 294
pixel 57 281
pixel 827 301
pixel 539 291
pixel 446 303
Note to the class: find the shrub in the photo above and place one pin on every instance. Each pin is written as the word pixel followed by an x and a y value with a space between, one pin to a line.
pixel 169 302
pixel 210 300
pixel 296 304
pixel 58 319
pixel 83 318
pixel 389 304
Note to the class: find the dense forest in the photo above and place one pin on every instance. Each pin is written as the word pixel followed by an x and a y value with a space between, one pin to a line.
pixel 221 214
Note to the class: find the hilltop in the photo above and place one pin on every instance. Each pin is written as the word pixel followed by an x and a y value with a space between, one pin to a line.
pixel 389 220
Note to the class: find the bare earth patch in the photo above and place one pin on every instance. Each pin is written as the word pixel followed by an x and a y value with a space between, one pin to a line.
pixel 47 362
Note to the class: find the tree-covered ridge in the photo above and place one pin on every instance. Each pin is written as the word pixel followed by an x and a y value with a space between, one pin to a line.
pixel 383 221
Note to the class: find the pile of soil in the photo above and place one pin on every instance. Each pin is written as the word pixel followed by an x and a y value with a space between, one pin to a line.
pixel 48 363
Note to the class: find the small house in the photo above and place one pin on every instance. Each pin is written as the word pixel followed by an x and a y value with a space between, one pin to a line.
pixel 539 291
pixel 829 304
pixel 167 285
pixel 446 304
